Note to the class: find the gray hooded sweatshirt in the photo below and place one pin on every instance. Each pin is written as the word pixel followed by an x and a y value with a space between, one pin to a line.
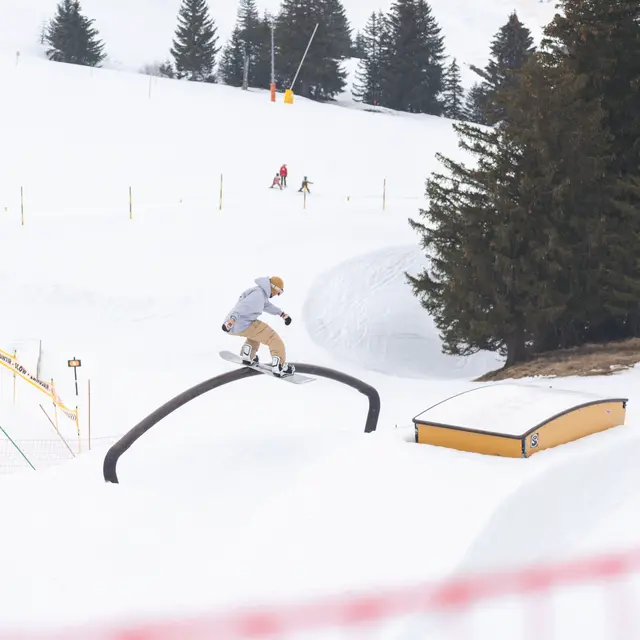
pixel 251 304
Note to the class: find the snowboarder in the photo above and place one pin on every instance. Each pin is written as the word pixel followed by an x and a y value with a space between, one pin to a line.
pixel 305 185
pixel 276 182
pixel 284 172
pixel 243 321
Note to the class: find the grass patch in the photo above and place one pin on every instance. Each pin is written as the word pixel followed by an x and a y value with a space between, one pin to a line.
pixel 588 360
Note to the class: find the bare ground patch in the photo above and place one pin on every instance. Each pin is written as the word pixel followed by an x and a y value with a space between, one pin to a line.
pixel 588 360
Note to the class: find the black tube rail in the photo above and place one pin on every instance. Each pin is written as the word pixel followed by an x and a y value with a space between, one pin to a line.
pixel 122 445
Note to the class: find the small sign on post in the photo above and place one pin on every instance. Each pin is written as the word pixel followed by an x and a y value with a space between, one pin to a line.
pixel 74 364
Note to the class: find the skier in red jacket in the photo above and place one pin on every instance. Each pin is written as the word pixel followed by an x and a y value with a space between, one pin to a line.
pixel 284 172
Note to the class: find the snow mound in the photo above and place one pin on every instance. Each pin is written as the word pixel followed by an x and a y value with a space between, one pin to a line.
pixel 363 312
pixel 580 498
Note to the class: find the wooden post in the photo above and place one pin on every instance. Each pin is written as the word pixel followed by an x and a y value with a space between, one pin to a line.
pixel 130 204
pixel 78 430
pixel 384 195
pixel 304 191
pixel 89 411
pixel 221 183
pixel 15 357
pixel 55 404
pixel 22 204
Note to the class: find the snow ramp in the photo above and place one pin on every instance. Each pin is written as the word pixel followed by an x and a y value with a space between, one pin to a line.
pixel 364 313
pixel 516 420
pixel 578 499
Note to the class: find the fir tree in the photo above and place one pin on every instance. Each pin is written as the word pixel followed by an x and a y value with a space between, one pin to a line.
pixel 250 39
pixel 249 26
pixel 565 152
pixel 166 70
pixel 479 286
pixel 322 76
pixel 72 38
pixel 413 49
pixel 231 67
pixel 599 41
pixel 510 49
pixel 509 239
pixel 359 46
pixel 248 22
pixel 260 69
pixel 194 46
pixel 335 18
pixel 476 105
pixel 453 93
pixel 367 85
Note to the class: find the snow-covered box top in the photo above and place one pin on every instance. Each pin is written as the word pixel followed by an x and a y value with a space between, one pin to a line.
pixel 510 408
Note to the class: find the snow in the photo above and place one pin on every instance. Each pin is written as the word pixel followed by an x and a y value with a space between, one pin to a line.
pixel 507 408
pixel 263 491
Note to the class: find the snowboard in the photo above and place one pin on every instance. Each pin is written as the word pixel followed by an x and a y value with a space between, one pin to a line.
pixel 296 378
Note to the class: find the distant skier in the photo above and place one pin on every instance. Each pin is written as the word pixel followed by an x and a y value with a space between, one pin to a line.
pixel 276 182
pixel 284 172
pixel 243 321
pixel 305 185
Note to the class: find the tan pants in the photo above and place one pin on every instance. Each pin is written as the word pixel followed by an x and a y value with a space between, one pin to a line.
pixel 261 333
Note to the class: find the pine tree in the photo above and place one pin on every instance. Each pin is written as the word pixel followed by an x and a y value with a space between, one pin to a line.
pixel 166 70
pixel 251 38
pixel 367 85
pixel 359 46
pixel 511 238
pixel 260 69
pixel 72 38
pixel 599 41
pixel 565 152
pixel 413 49
pixel 194 46
pixel 231 67
pixel 248 21
pixel 249 25
pixel 321 76
pixel 510 49
pixel 453 93
pixel 480 286
pixel 475 107
pixel 337 23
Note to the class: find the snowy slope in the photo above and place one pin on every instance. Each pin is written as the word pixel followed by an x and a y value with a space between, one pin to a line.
pixel 264 491
pixel 124 25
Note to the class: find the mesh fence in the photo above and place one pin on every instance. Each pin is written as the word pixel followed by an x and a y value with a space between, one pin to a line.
pixel 35 454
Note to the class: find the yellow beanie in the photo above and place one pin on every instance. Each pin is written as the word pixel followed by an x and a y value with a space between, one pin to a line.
pixel 277 282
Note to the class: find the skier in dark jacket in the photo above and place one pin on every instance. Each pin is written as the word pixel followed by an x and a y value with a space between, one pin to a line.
pixel 305 185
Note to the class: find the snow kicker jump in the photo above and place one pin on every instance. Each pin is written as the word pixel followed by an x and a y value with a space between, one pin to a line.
pixel 114 453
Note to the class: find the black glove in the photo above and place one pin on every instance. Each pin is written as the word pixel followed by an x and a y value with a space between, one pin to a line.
pixel 224 328
pixel 287 320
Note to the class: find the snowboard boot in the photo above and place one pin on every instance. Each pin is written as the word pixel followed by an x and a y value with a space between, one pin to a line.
pixel 246 356
pixel 281 370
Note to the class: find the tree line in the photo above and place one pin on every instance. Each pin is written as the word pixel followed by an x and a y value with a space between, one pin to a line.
pixel 197 55
pixel 402 62
pixel 534 242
